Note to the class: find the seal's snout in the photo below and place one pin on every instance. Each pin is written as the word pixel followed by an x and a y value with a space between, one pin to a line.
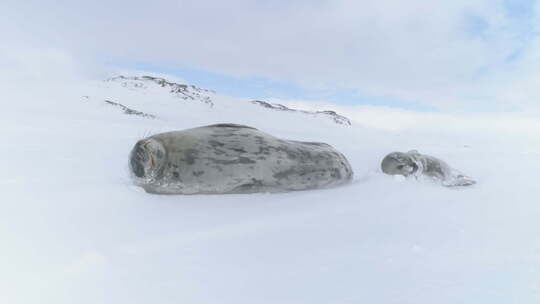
pixel 138 159
pixel 387 164
pixel 146 159
pixel 398 164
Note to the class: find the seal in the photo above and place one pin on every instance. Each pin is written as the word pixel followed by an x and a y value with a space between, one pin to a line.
pixel 231 158
pixel 419 166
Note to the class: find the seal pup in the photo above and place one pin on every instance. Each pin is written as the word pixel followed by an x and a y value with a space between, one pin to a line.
pixel 419 166
pixel 230 158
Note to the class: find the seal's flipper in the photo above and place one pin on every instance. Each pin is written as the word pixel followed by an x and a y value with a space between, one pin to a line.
pixel 459 181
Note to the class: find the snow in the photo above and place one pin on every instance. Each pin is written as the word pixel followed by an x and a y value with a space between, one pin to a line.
pixel 75 230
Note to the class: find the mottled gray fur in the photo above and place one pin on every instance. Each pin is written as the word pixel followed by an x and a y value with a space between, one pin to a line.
pixel 419 165
pixel 229 158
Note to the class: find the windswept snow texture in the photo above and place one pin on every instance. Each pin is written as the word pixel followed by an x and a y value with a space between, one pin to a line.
pixel 75 230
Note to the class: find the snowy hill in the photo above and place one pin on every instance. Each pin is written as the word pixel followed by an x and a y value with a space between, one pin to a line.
pixel 182 91
pixel 75 230
pixel 144 92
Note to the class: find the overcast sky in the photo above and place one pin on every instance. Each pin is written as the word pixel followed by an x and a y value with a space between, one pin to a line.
pixel 471 55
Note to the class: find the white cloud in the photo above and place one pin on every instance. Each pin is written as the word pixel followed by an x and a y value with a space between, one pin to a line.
pixel 26 64
pixel 451 54
pixel 89 262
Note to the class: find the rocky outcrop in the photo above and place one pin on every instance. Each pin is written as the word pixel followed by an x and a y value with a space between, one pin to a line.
pixel 182 91
pixel 339 119
pixel 163 89
pixel 129 111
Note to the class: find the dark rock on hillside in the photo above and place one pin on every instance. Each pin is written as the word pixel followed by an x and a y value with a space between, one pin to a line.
pixel 182 91
pixel 339 119
pixel 129 111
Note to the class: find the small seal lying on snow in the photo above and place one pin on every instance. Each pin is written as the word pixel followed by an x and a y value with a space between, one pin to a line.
pixel 230 158
pixel 418 165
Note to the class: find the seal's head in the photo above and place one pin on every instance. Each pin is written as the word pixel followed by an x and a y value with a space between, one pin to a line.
pixel 147 160
pixel 398 163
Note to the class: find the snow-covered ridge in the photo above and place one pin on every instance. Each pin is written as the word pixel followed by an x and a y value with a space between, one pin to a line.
pixel 183 91
pixel 125 110
pixel 339 119
pixel 129 111
pixel 146 90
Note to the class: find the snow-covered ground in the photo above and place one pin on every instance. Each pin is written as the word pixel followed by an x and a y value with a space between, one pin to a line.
pixel 74 230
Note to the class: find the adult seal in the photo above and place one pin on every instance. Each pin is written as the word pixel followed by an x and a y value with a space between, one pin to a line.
pixel 420 166
pixel 230 158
